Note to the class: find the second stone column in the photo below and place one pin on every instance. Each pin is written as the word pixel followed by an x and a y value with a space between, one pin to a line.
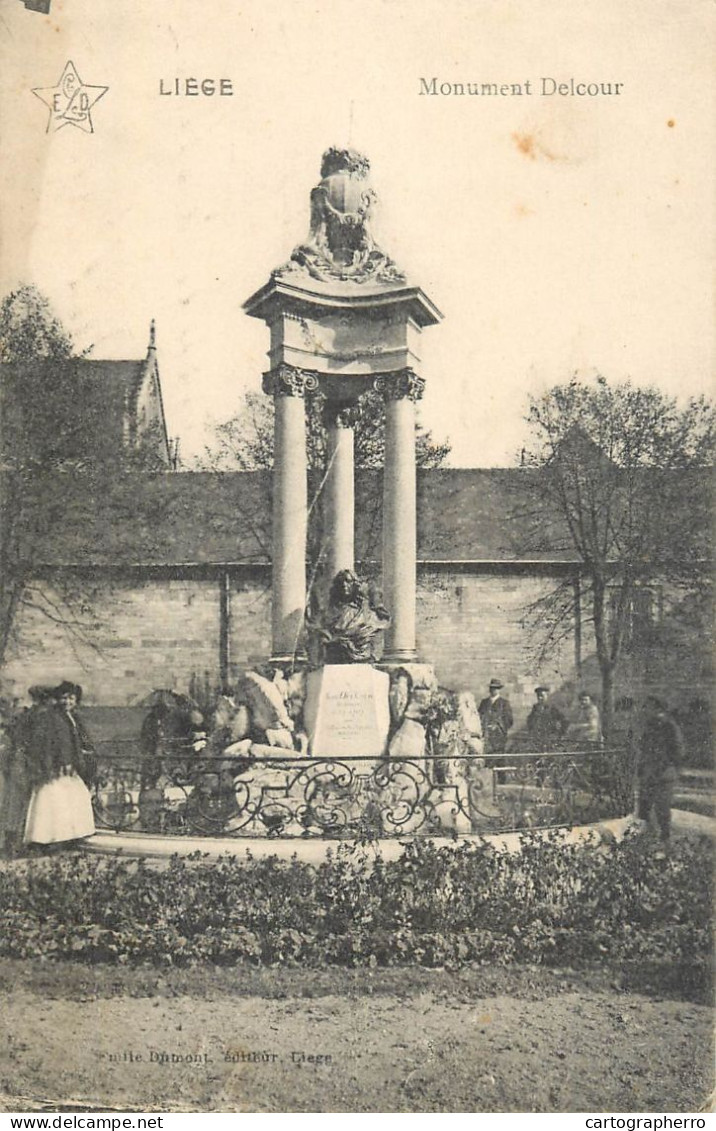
pixel 401 390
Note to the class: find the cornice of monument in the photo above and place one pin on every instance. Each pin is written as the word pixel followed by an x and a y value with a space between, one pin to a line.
pixel 308 298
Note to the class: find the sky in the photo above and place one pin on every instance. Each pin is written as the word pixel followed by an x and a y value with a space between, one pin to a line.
pixel 556 233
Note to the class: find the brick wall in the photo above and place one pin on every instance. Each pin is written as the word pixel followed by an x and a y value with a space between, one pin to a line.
pixel 164 632
pixel 152 633
pixel 250 623
pixel 470 626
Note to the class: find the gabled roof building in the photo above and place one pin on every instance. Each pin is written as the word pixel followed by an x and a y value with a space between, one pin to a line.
pixel 116 414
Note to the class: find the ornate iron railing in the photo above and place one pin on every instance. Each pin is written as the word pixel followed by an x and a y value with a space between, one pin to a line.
pixel 365 798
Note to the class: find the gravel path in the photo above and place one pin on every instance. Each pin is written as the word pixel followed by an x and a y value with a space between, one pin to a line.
pixel 573 1051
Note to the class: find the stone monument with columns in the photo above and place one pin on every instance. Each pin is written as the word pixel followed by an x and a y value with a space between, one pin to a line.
pixel 348 738
pixel 342 319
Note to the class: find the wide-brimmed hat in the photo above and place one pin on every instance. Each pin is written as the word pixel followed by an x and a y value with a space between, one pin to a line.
pixel 541 688
pixel 67 688
pixel 496 683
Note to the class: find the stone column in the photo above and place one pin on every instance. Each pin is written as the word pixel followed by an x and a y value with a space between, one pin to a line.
pixel 401 390
pixel 288 386
pixel 339 490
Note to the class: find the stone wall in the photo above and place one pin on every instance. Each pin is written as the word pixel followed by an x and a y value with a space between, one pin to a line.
pixel 161 632
pixel 470 624
pixel 165 632
pixel 151 633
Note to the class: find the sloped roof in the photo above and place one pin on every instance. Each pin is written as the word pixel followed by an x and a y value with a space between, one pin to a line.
pixel 202 518
pixel 107 396
pixel 160 519
pixel 484 514
pixel 118 380
pixel 110 385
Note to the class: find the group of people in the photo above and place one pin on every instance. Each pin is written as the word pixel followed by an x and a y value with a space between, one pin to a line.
pixel 548 728
pixel 660 746
pixel 48 763
pixel 48 766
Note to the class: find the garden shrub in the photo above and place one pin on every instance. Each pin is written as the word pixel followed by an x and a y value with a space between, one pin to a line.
pixel 552 904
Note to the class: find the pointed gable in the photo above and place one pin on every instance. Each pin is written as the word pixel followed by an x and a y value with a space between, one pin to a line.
pixel 118 408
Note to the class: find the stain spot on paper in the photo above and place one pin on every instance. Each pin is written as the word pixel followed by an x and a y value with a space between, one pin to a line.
pixel 533 147
pixel 525 143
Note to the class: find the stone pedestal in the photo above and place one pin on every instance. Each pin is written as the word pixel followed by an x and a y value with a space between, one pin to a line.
pixel 346 711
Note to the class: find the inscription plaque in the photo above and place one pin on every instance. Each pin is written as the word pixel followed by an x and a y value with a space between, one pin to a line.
pixel 347 711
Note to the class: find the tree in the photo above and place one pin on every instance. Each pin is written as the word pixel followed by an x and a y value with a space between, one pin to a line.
pixel 621 481
pixel 29 329
pixel 52 430
pixel 245 442
pixel 30 446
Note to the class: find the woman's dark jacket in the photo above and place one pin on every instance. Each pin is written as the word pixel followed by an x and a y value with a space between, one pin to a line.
pixel 59 740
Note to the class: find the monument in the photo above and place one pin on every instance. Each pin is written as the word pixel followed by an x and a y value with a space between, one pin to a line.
pixel 342 319
pixel 343 731
pixel 347 708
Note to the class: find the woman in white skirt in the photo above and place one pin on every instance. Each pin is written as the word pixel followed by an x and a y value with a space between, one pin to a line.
pixel 61 764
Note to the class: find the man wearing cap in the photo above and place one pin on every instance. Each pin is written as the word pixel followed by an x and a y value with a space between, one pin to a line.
pixel 545 723
pixel 496 716
pixel 661 752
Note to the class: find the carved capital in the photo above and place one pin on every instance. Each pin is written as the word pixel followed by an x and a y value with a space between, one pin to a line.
pixel 289 381
pixel 402 383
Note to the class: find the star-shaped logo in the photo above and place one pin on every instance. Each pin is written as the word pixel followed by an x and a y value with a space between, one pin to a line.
pixel 70 101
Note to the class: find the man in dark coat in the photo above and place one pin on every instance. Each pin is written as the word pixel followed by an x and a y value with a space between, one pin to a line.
pixel 496 716
pixel 660 755
pixel 546 725
pixel 18 778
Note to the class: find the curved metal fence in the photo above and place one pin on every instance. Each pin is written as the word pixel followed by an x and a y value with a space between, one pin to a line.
pixel 287 795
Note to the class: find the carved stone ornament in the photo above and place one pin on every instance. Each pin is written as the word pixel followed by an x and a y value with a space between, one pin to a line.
pixel 402 383
pixel 289 381
pixel 340 245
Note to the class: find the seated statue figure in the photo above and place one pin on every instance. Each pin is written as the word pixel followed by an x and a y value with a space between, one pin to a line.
pixel 349 629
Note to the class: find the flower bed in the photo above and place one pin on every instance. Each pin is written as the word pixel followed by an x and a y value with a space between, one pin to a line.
pixel 552 903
